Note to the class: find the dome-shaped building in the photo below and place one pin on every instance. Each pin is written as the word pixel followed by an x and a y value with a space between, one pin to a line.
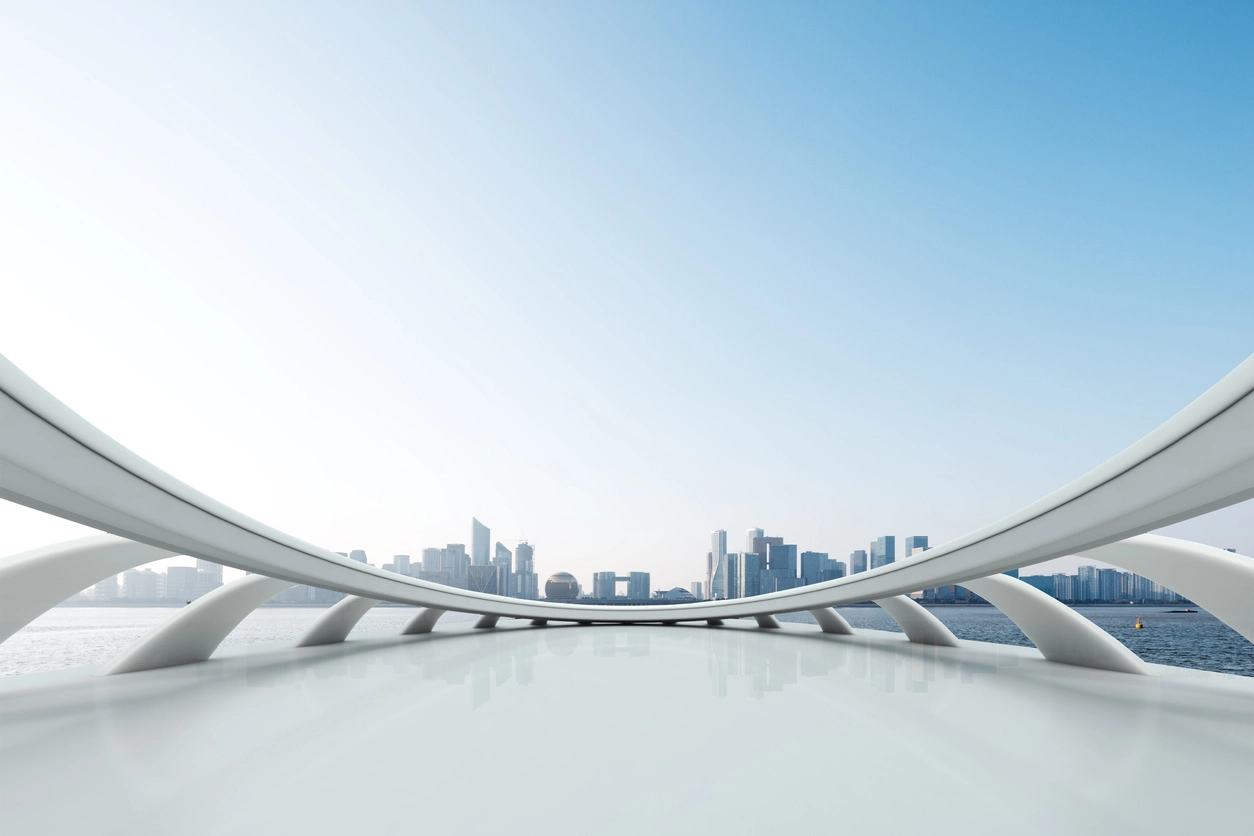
pixel 561 587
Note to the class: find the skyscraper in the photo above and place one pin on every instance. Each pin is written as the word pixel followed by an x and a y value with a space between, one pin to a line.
pixel 914 544
pixel 480 543
pixel 717 569
pixel 527 582
pixel 883 551
pixel 813 567
pixel 638 585
pixel 358 555
pixel 430 560
pixel 750 534
pixel 857 561
pixel 748 574
pixel 603 584
pixel 502 560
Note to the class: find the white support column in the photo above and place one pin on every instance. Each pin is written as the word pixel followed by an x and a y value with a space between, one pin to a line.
pixel 831 621
pixel 336 623
pixel 198 629
pixel 1059 632
pixel 486 622
pixel 767 621
pixel 33 582
pixel 919 625
pixel 1220 582
pixel 423 622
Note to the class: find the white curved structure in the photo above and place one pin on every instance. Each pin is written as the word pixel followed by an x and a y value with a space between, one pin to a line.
pixel 1219 581
pixel 1200 460
pixel 337 622
pixel 1059 632
pixel 198 629
pixel 33 582
pixel 269 731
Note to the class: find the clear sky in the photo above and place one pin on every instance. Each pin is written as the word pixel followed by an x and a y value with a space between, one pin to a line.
pixel 609 276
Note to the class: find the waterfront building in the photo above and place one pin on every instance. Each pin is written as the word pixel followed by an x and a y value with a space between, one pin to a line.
pixel 751 535
pixel 526 581
pixel 857 561
pixel 883 551
pixel 481 578
pixel 698 590
pixel 180 582
pixel 638 585
pixel 748 575
pixel 106 590
pixel 914 545
pixel 480 543
pixel 430 560
pixel 358 555
pixel 813 567
pixel 143 584
pixel 401 563
pixel 716 563
pixel 604 584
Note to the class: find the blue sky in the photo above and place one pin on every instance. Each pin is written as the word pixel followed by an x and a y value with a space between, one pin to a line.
pixel 609 276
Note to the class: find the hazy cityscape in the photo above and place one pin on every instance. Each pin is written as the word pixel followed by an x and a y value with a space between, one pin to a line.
pixel 767 564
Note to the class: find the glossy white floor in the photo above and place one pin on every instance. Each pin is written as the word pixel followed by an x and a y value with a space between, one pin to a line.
pixel 627 729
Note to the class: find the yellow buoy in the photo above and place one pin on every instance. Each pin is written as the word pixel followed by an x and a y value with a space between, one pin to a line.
pixel 1139 625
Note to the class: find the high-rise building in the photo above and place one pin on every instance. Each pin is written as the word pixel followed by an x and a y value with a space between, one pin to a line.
pixel 480 578
pixel 106 590
pixel 857 561
pixel 781 564
pixel 208 577
pixel 430 560
pixel 604 584
pixel 358 555
pixel 455 561
pixel 400 563
pixel 480 543
pixel 142 583
pixel 746 568
pixel 638 585
pixel 750 535
pixel 698 591
pixel 526 581
pixel 883 551
pixel 914 545
pixel 1086 588
pixel 503 559
pixel 813 565
pixel 180 582
pixel 1108 585
pixel 717 564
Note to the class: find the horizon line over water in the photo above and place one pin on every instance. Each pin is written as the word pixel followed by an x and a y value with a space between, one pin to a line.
pixel 83 636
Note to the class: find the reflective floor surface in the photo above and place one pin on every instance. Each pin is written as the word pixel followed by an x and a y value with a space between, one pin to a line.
pixel 626 729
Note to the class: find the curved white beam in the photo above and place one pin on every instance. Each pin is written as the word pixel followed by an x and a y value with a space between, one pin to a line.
pixel 1059 632
pixel 1201 459
pixel 831 621
pixel 198 629
pixel 33 582
pixel 423 622
pixel 336 623
pixel 1220 582
pixel 919 625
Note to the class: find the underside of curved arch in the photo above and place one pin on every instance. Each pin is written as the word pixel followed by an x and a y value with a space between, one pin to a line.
pixel 198 629
pixel 1059 632
pixel 1220 582
pixel 337 622
pixel 919 625
pixel 33 582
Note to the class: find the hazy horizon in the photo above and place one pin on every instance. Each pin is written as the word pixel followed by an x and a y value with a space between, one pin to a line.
pixel 609 277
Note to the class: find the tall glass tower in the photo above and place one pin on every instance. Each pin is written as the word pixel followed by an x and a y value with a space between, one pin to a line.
pixel 480 543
